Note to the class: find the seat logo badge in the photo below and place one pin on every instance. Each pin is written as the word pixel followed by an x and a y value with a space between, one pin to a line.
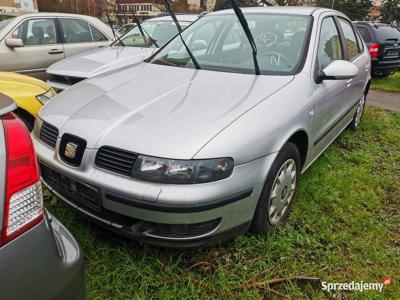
pixel 70 150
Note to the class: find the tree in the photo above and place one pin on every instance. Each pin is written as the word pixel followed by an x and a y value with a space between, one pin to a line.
pixel 180 6
pixel 85 7
pixel 355 10
pixel 390 11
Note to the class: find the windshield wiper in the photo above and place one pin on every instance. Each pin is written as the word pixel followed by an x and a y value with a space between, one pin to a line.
pixel 246 29
pixel 142 30
pixel 116 37
pixel 169 9
pixel 111 25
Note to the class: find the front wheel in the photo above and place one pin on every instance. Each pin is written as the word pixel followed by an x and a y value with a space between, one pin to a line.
pixel 279 191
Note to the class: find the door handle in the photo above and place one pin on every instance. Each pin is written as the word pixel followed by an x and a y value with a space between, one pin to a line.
pixel 56 51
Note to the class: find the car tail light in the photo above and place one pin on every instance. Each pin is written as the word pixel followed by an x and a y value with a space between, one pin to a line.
pixel 23 192
pixel 373 50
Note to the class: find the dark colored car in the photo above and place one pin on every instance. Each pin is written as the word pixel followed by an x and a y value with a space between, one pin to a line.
pixel 383 41
pixel 39 258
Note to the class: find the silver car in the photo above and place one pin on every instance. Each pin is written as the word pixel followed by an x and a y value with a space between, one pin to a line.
pixel 31 42
pixel 207 139
pixel 130 49
pixel 39 258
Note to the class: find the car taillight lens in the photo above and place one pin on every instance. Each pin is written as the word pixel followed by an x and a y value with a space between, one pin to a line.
pixel 23 193
pixel 373 50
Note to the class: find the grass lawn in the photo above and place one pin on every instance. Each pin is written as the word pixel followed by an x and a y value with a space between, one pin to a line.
pixel 389 84
pixel 344 226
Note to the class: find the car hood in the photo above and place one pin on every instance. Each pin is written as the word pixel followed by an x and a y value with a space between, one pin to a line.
pixel 14 80
pixel 93 62
pixel 157 110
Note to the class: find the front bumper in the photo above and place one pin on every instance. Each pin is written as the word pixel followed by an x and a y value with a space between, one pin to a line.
pixel 157 213
pixel 44 263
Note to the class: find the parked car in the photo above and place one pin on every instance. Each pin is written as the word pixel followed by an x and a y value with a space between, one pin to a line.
pixel 193 147
pixel 383 41
pixel 130 49
pixel 31 42
pixel 29 93
pixel 39 258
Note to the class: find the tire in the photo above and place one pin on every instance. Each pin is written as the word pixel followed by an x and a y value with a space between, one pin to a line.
pixel 355 123
pixel 28 119
pixel 263 221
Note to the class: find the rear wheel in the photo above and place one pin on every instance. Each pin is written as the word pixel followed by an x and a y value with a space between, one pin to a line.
pixel 279 191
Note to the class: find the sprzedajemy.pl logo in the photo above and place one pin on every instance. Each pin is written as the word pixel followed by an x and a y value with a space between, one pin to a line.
pixel 356 286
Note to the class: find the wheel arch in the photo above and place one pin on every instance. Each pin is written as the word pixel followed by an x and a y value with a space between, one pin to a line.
pixel 301 140
pixel 366 90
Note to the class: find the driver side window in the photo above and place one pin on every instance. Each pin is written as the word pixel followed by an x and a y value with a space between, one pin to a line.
pixel 329 47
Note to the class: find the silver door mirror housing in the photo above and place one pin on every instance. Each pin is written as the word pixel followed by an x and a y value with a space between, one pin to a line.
pixel 338 70
pixel 14 43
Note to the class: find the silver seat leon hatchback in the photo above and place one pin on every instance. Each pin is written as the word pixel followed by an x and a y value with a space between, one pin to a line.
pixel 208 137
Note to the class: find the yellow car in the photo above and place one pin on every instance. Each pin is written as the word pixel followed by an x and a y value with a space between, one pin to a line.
pixel 29 93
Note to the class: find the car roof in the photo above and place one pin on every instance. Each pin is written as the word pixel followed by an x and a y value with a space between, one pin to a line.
pixel 295 10
pixel 52 14
pixel 180 18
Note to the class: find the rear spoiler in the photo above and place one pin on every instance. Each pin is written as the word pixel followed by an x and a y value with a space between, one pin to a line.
pixel 6 104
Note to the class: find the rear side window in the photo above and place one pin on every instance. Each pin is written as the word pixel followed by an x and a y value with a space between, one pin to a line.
pixel 366 35
pixel 359 41
pixel 350 38
pixel 97 35
pixel 329 48
pixel 75 31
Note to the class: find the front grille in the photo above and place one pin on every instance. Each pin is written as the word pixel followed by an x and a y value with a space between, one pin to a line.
pixel 115 160
pixel 75 191
pixel 48 134
pixel 68 80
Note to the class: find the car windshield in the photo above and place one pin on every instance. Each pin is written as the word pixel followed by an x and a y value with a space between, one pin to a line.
pixel 218 42
pixel 159 31
pixel 4 20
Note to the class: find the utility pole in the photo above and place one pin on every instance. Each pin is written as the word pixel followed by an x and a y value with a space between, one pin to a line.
pixel 77 7
pixel 333 4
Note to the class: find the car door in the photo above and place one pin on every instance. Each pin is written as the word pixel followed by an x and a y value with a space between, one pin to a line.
pixel 355 55
pixel 328 95
pixel 78 35
pixel 41 47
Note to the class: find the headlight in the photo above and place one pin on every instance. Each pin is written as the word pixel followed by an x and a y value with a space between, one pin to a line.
pixel 44 98
pixel 182 171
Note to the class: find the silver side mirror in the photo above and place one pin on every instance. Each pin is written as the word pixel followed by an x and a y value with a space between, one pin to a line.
pixel 338 70
pixel 14 43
